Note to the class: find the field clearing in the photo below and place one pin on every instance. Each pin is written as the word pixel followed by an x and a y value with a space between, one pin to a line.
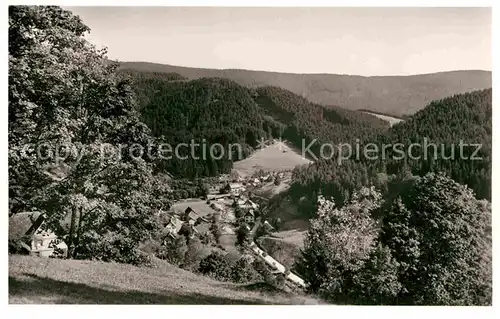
pixel 271 158
pixel 293 237
pixel 34 280
pixel 392 120
pixel 198 205
pixel 284 246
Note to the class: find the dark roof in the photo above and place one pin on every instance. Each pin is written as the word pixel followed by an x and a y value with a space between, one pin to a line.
pixel 193 215
pixel 22 223
pixel 250 212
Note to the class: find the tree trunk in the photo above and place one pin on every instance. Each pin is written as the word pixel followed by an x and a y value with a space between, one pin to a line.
pixel 78 232
pixel 70 243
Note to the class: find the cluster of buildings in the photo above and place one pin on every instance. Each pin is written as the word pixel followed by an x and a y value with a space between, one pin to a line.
pixel 198 223
pixel 26 228
pixel 222 201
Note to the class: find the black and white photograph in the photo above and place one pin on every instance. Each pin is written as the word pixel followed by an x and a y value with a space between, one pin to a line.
pixel 218 155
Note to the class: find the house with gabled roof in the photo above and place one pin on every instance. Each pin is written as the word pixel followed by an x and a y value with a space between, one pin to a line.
pixel 191 216
pixel 249 217
pixel 247 204
pixel 26 232
pixel 268 226
pixel 174 225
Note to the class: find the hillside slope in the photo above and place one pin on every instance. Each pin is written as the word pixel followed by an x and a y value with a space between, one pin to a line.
pixel 55 281
pixel 309 120
pixel 463 118
pixel 216 110
pixel 200 113
pixel 394 95
pixel 439 129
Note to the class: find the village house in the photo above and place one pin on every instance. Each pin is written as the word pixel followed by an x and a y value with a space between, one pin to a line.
pixel 190 216
pixel 250 217
pixel 25 230
pixel 174 225
pixel 268 226
pixel 247 204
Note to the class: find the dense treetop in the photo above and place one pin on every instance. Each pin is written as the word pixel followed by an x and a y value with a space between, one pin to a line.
pixel 428 244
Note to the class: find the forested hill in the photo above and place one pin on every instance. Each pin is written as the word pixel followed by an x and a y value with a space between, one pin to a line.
pixel 208 110
pixel 445 123
pixel 221 111
pixel 310 121
pixel 393 95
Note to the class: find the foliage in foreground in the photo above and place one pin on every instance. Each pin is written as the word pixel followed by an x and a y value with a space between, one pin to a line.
pixel 432 245
pixel 72 119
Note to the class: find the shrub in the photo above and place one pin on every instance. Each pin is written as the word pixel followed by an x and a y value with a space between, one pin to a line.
pixel 207 238
pixel 186 231
pixel 280 281
pixel 243 271
pixel 111 247
pixel 174 250
pixel 242 235
pixel 261 231
pixel 193 254
pixel 217 266
pixel 215 230
pixel 263 270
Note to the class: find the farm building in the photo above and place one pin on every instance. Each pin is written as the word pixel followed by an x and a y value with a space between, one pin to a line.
pixel 191 216
pixel 174 225
pixel 250 217
pixel 25 230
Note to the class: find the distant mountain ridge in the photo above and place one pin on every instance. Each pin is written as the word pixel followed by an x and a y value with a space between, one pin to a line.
pixel 392 95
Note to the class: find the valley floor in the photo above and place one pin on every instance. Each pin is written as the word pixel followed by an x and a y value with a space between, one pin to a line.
pixel 34 280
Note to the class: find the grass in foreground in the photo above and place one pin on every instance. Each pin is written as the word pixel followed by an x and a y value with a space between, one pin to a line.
pixel 34 280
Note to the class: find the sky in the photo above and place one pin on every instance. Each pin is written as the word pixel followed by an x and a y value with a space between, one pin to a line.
pixel 358 41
